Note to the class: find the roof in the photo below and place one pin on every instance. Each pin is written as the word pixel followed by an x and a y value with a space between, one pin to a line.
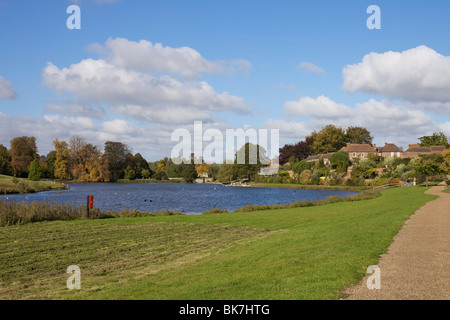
pixel 319 156
pixel 432 149
pixel 358 148
pixel 390 147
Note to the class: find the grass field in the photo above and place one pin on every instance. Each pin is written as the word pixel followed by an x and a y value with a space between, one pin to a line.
pixel 299 253
pixel 9 185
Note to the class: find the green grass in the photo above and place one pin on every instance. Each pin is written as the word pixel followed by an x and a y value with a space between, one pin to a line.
pixel 298 253
pixel 9 186
pixel 446 190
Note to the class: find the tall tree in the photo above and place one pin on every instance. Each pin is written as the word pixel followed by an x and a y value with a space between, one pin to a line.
pixel 358 135
pixel 23 151
pixel 62 161
pixel 329 139
pixel 248 161
pixel 436 139
pixel 190 173
pixel 5 161
pixel 35 172
pixel 116 154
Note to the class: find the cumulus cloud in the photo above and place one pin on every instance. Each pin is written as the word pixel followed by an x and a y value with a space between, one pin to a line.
pixel 6 91
pixel 144 56
pixel 98 81
pixel 416 74
pixel 310 67
pixel 320 107
pixel 385 119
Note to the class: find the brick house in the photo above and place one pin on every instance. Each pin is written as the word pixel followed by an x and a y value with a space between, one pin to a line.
pixel 390 150
pixel 360 151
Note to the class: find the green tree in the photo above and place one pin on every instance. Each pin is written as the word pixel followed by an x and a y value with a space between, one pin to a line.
pixel 23 151
pixel 437 139
pixel 116 154
pixel 431 165
pixel 51 158
pixel 5 161
pixel 248 161
pixel 35 171
pixel 340 160
pixel 130 173
pixel 190 173
pixel 302 165
pixel 329 139
pixel 358 135
pixel 225 173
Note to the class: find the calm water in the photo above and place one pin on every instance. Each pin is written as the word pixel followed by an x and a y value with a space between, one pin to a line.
pixel 185 198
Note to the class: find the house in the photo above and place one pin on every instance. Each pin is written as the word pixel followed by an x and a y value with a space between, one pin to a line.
pixel 325 157
pixel 360 151
pixel 414 150
pixel 389 150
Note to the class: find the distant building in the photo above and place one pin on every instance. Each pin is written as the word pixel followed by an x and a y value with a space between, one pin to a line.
pixel 389 150
pixel 415 150
pixel 325 157
pixel 359 151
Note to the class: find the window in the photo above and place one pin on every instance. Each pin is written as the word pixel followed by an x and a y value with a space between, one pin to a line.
pixel 398 154
pixel 354 154
pixel 392 154
pixel 362 154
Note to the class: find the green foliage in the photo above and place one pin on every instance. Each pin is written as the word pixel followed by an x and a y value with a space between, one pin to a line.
pixel 340 160
pixel 298 167
pixel 35 172
pixel 437 139
pixel 130 173
pixel 329 139
pixel 5 161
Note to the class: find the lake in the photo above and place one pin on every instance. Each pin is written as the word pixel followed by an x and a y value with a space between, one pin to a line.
pixel 180 197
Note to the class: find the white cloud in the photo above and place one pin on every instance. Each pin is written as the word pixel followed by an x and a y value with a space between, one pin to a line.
pixel 386 120
pixel 144 56
pixel 6 91
pixel 98 81
pixel 311 67
pixel 321 107
pixel 416 74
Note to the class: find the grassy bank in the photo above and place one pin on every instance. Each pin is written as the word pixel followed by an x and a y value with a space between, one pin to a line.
pixel 307 187
pixel 11 185
pixel 295 253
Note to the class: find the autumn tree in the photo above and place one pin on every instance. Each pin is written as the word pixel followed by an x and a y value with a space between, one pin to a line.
pixel 23 151
pixel 62 160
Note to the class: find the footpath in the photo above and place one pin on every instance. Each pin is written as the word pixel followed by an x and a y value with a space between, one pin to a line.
pixel 417 264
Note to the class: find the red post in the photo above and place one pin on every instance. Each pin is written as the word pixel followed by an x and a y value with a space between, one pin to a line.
pixel 89 204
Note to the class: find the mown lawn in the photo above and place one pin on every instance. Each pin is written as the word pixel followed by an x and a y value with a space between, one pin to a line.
pixel 302 253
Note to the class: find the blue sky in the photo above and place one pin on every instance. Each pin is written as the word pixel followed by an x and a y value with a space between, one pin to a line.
pixel 259 64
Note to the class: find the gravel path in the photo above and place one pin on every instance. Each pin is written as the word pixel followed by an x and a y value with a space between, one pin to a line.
pixel 417 264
